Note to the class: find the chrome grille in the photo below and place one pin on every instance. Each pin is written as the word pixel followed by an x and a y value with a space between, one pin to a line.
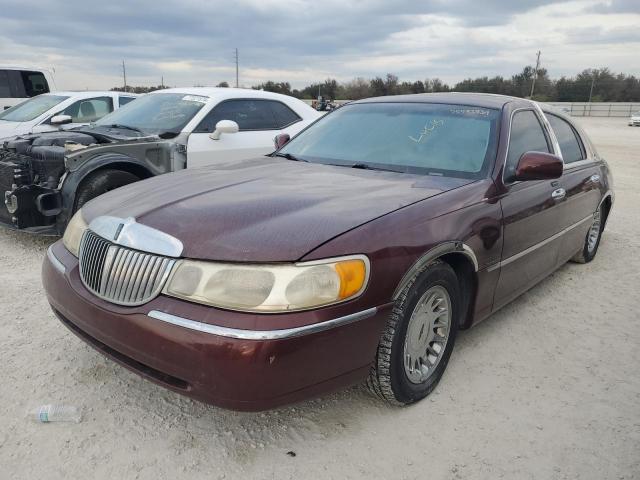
pixel 121 275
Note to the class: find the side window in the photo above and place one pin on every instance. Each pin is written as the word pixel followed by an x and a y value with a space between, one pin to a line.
pixel 284 115
pixel 248 114
pixel 570 145
pixel 5 88
pixel 122 101
pixel 526 136
pixel 89 109
pixel 34 83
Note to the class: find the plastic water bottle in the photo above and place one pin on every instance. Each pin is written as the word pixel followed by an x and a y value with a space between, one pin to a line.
pixel 56 413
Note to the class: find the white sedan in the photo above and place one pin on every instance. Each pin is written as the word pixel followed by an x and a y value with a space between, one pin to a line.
pixel 634 120
pixel 215 124
pixel 52 111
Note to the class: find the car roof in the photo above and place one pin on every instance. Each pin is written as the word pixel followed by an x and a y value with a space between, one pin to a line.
pixel 486 100
pixel 222 93
pixel 88 93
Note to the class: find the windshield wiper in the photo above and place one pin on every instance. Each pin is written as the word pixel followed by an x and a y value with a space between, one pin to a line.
pixel 366 166
pixel 125 127
pixel 289 156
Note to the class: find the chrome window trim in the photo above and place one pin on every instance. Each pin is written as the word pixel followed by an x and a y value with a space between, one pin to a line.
pixel 546 130
pixel 57 264
pixel 241 334
pixel 533 248
pixel 578 137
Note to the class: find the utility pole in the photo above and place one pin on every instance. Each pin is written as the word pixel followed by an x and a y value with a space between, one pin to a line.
pixel 593 81
pixel 162 81
pixel 535 74
pixel 237 82
pixel 124 75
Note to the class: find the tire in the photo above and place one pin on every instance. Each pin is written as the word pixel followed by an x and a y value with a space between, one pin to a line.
pixel 390 377
pixel 99 182
pixel 592 239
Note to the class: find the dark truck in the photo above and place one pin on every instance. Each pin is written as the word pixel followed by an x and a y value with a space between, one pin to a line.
pixel 45 178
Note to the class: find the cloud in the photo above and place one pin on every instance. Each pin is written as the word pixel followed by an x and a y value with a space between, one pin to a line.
pixel 192 42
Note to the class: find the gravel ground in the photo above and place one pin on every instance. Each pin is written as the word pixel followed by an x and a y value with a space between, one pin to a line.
pixel 547 388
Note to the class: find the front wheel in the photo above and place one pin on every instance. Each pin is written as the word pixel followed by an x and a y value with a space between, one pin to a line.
pixel 418 340
pixel 101 181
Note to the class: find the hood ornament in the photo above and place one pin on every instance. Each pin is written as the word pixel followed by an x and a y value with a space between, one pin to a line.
pixel 129 233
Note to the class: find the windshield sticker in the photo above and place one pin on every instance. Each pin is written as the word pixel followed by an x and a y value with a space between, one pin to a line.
pixel 427 130
pixel 195 98
pixel 470 111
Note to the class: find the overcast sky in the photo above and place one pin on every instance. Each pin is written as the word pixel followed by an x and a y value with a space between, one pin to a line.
pixel 191 42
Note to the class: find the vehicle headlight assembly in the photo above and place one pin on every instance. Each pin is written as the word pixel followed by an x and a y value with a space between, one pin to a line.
pixel 269 287
pixel 73 233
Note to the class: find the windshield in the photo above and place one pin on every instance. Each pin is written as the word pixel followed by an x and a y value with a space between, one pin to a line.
pixel 31 109
pixel 157 113
pixel 420 138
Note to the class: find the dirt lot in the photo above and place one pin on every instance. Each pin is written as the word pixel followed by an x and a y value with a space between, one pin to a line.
pixel 547 388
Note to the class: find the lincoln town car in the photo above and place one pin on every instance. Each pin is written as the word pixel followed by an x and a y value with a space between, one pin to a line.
pixel 354 253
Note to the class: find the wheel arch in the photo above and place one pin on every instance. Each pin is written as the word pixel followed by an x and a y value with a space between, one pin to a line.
pixel 74 179
pixel 462 259
pixel 606 204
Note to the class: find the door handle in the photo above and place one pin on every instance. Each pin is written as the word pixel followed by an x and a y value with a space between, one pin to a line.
pixel 594 178
pixel 558 194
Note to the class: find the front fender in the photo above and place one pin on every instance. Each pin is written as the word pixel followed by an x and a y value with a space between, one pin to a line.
pixel 74 178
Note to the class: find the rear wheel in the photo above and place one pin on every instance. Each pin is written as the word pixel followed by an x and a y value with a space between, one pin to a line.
pixel 592 240
pixel 418 340
pixel 102 181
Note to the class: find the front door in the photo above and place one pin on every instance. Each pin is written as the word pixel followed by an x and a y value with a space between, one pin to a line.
pixel 531 224
pixel 259 121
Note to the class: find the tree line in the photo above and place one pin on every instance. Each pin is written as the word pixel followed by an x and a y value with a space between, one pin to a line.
pixel 597 85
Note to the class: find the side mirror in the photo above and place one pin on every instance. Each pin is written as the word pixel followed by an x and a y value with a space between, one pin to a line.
pixel 224 126
pixel 61 119
pixel 538 166
pixel 281 140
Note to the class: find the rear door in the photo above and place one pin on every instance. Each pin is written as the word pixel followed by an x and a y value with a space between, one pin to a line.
pixel 581 183
pixel 530 213
pixel 259 122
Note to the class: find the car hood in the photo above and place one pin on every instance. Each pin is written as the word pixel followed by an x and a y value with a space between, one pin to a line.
pixel 266 209
pixel 8 129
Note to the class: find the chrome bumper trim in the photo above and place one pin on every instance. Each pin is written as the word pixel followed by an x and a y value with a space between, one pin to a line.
pixel 57 264
pixel 261 334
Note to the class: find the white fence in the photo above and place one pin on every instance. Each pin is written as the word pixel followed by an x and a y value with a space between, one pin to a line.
pixel 598 109
pixel 579 109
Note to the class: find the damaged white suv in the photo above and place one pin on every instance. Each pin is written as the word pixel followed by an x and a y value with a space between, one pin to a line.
pixel 46 177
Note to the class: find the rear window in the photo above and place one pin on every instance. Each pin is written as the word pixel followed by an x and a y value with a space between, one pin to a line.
pixel 124 100
pixel 22 83
pixel 34 83
pixel 5 88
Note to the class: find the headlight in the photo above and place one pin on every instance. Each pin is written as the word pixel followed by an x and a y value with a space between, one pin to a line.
pixel 73 234
pixel 269 287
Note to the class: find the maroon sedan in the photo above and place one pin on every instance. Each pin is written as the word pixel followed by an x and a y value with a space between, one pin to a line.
pixel 356 251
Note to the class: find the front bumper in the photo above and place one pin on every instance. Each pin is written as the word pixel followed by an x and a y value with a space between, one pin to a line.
pixel 32 208
pixel 231 363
